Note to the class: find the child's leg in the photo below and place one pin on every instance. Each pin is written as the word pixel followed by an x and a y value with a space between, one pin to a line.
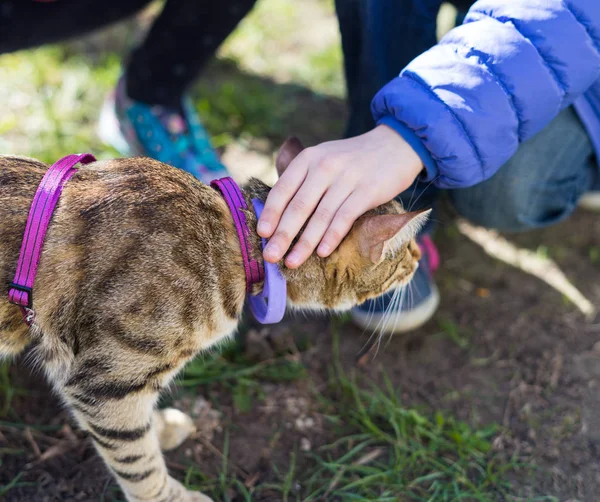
pixel 27 24
pixel 379 38
pixel 183 38
pixel 540 185
pixel 149 114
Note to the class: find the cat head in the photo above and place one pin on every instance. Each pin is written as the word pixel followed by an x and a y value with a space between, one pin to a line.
pixel 378 254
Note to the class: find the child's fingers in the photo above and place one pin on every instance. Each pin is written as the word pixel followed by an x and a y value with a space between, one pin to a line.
pixel 280 196
pixel 318 224
pixel 354 206
pixel 295 215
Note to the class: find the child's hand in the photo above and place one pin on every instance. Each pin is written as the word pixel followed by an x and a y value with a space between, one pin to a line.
pixel 338 181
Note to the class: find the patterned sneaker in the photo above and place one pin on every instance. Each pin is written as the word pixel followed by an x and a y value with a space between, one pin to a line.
pixel 170 135
pixel 417 303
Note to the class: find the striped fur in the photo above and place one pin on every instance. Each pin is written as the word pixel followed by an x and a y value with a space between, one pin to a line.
pixel 141 271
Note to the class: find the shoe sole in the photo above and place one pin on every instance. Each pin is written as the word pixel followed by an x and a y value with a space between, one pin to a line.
pixel 402 322
pixel 590 201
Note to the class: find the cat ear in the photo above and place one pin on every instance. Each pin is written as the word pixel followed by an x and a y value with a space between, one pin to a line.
pixel 383 234
pixel 288 152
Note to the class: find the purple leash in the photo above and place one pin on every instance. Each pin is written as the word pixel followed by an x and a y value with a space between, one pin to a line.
pixel 268 306
pixel 40 214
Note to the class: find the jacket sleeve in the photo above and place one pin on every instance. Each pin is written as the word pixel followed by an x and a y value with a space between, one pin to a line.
pixel 466 104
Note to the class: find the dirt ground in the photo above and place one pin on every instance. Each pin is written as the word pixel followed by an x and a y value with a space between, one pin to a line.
pixel 504 348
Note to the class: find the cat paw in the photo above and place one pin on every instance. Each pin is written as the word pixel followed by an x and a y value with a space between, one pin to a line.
pixel 173 428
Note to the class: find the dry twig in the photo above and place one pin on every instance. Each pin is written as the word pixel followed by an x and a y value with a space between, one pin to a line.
pixel 543 268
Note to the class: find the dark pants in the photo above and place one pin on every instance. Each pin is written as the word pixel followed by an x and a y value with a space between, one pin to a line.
pixel 539 186
pixel 379 38
pixel 182 39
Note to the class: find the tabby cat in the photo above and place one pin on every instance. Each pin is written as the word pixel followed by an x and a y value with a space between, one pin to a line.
pixel 141 271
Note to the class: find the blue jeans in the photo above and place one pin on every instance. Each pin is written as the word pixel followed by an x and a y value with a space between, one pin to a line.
pixel 538 186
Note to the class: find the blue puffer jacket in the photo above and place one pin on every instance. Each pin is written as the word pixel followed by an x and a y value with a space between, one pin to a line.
pixel 466 104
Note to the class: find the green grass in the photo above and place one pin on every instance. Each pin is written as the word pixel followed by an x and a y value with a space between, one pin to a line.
pixel 8 391
pixel 52 102
pixel 231 369
pixel 386 451
pixel 272 42
pixel 451 331
pixel 379 449
pixel 231 366
pixel 241 107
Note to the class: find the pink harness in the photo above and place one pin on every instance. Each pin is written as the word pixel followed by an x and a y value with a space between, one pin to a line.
pixel 254 269
pixel 268 307
pixel 42 208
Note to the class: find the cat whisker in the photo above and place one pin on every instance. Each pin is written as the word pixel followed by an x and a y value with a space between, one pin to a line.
pixel 386 318
pixel 383 318
pixel 412 195
pixel 398 308
pixel 367 345
pixel 379 329
pixel 422 192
